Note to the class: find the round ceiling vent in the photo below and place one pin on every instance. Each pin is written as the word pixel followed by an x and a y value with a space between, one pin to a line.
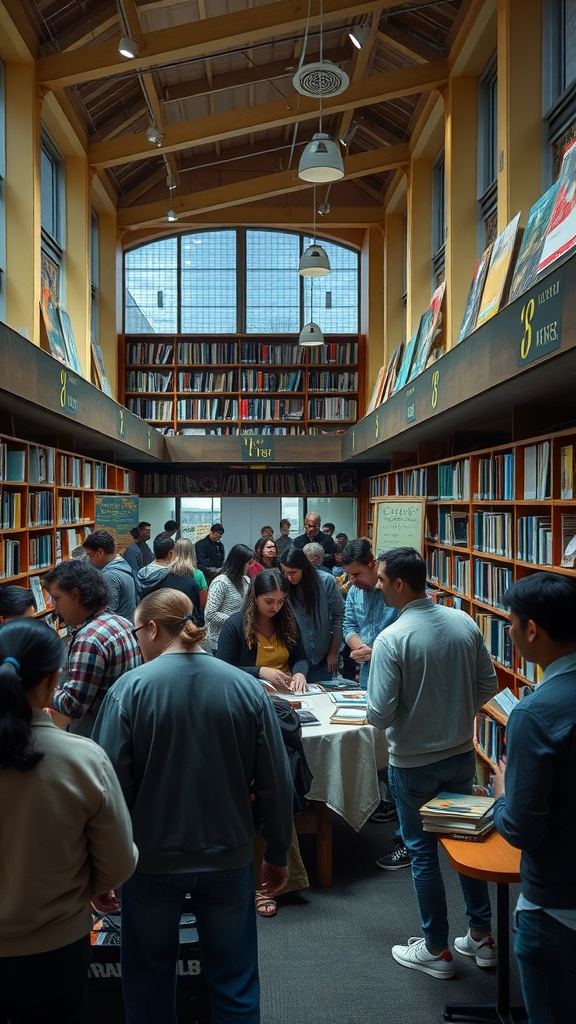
pixel 321 79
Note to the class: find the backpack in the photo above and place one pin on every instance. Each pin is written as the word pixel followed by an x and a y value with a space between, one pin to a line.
pixel 291 730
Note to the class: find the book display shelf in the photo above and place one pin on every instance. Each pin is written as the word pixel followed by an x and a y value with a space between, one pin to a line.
pixel 492 517
pixel 48 503
pixel 272 482
pixel 240 384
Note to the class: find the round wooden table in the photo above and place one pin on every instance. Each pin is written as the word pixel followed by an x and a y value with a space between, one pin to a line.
pixel 492 860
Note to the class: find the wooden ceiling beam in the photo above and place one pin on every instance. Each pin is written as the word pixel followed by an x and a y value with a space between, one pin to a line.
pixel 199 39
pixel 291 217
pixel 404 43
pixel 203 131
pixel 247 76
pixel 268 186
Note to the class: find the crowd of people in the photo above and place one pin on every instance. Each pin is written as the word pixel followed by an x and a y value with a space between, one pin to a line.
pixel 167 685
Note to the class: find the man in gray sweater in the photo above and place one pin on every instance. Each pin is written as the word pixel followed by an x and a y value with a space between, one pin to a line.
pixel 430 672
pixel 100 551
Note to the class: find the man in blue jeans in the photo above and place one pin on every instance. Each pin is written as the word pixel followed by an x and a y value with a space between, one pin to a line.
pixel 430 672
pixel 535 808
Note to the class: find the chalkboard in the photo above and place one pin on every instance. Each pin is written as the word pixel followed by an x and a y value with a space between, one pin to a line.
pixel 117 513
pixel 399 522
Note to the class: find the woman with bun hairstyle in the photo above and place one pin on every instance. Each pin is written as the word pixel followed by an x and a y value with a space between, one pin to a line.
pixel 65 835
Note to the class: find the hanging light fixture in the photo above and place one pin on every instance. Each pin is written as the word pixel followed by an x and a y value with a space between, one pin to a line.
pixel 359 34
pixel 171 214
pixel 314 260
pixel 311 335
pixel 128 47
pixel 154 135
pixel 325 207
pixel 321 160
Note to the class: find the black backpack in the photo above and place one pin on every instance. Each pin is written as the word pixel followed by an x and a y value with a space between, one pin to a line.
pixel 291 730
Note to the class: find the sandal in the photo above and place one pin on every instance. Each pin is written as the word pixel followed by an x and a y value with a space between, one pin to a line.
pixel 265 907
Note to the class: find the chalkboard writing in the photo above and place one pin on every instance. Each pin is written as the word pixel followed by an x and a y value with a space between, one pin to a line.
pixel 399 523
pixel 117 513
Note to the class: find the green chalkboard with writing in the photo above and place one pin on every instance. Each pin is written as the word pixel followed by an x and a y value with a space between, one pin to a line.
pixel 118 513
pixel 399 522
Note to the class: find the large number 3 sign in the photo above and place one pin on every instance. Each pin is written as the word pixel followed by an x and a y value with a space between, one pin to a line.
pixel 526 317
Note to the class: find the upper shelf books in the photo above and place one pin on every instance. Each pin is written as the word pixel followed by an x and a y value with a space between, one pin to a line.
pixel 561 233
pixel 495 288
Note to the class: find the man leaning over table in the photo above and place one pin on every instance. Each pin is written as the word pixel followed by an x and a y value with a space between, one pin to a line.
pixel 366 614
pixel 430 673
pixel 535 788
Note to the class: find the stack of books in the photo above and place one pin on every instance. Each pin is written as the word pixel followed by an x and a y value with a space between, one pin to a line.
pixel 350 708
pixel 459 816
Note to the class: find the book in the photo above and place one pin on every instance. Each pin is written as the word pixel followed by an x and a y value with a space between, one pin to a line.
pixel 378 390
pixel 429 325
pixel 306 717
pixel 567 472
pixel 494 293
pixel 405 366
pixel 349 716
pixel 568 559
pixel 461 807
pixel 475 294
pixel 347 699
pixel 561 233
pixel 526 269
pixel 69 341
pixel 392 372
pixel 502 703
pixel 454 832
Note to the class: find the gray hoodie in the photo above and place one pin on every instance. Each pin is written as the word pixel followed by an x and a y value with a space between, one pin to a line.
pixel 122 587
pixel 150 577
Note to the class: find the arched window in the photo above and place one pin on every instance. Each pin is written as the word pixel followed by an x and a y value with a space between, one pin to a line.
pixel 237 281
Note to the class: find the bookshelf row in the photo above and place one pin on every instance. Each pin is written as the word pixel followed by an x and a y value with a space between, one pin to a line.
pixel 47 506
pixel 216 386
pixel 253 482
pixel 492 517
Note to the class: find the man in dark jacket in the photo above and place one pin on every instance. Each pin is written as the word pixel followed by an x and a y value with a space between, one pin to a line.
pixel 312 532
pixel 158 574
pixel 210 552
pixel 535 809
pixel 138 554
pixel 101 552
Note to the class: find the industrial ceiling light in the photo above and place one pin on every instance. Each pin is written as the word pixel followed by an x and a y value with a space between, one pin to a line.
pixel 347 138
pixel 324 208
pixel 359 34
pixel 314 260
pixel 128 47
pixel 171 215
pixel 154 135
pixel 321 160
pixel 311 335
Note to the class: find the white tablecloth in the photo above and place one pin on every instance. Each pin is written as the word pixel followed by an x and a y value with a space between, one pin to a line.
pixel 344 760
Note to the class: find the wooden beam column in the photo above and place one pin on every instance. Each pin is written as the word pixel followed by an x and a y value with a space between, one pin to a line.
pixel 461 205
pixel 78 255
pixel 519 107
pixel 372 305
pixel 419 240
pixel 394 310
pixel 22 279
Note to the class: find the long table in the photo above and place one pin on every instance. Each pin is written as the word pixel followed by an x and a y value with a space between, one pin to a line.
pixel 344 760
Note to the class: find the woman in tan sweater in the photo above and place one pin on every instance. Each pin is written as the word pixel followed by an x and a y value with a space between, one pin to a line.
pixel 65 835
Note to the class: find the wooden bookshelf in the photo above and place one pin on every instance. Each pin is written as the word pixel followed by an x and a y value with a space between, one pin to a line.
pixel 493 516
pixel 47 502
pixel 240 384
pixel 273 481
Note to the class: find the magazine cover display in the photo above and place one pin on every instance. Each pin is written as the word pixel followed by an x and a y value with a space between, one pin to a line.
pixel 526 269
pixel 475 294
pixel 498 276
pixel 561 234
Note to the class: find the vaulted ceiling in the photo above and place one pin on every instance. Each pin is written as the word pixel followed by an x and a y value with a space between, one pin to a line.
pixel 215 78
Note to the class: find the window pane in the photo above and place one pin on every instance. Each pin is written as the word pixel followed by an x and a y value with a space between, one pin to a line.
pixel 272 282
pixel 152 288
pixel 48 193
pixel 208 281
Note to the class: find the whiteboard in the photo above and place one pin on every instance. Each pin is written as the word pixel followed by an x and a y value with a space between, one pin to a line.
pixel 399 522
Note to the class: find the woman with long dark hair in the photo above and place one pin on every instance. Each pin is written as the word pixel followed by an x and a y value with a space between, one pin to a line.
pixel 319 609
pixel 265 556
pixel 264 638
pixel 227 592
pixel 65 835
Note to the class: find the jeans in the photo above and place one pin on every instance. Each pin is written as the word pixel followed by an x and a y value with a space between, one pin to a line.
pixel 45 988
pixel 546 954
pixel 319 673
pixel 223 902
pixel 410 788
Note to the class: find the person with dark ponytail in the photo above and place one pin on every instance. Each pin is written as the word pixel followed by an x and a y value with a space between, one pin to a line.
pixel 65 835
pixel 319 609
pixel 15 602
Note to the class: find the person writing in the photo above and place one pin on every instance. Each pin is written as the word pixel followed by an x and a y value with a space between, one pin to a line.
pixel 535 807
pixel 65 839
pixel 264 638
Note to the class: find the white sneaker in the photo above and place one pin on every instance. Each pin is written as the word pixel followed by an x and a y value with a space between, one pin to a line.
pixel 483 951
pixel 416 956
